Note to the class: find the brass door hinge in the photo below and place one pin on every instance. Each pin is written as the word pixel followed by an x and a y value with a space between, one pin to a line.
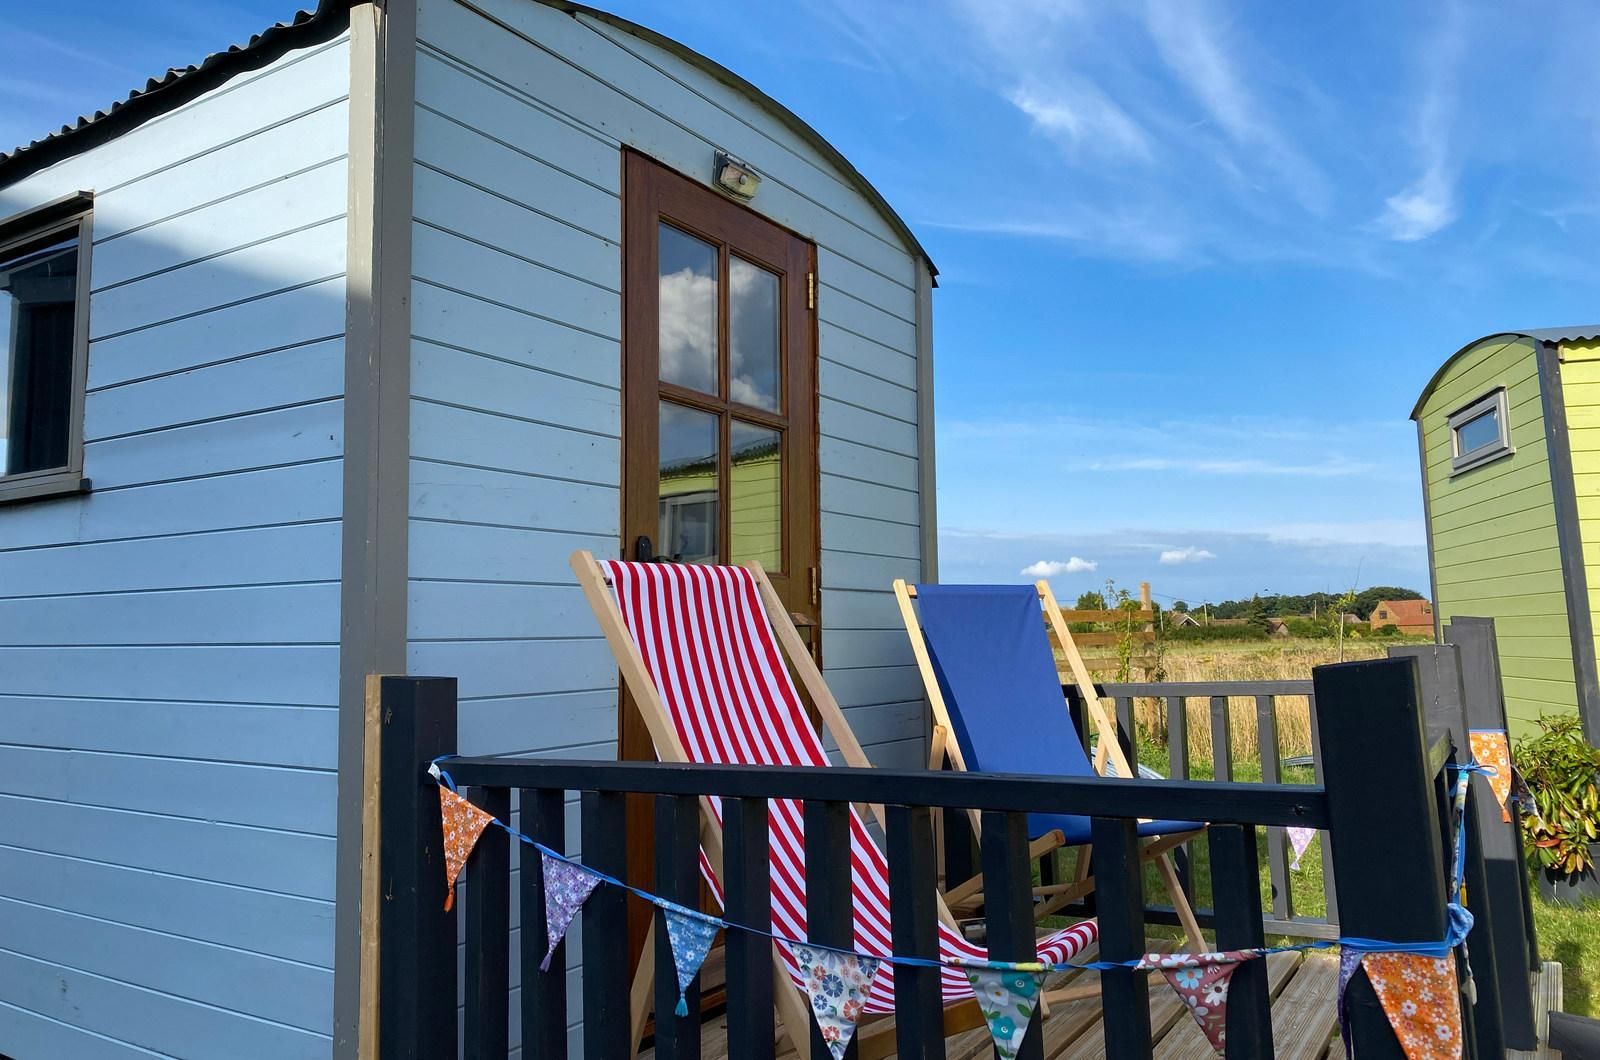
pixel 816 587
pixel 811 290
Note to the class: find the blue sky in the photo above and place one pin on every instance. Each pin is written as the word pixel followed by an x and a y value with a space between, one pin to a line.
pixel 1197 260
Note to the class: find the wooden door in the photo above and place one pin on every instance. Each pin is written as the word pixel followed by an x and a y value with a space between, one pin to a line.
pixel 720 406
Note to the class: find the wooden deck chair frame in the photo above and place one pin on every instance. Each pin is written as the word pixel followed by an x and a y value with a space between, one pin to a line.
pixel 876 1037
pixel 1108 747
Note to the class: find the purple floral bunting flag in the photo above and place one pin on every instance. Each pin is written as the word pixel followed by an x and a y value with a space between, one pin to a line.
pixel 1300 840
pixel 1349 961
pixel 691 933
pixel 566 888
pixel 838 985
pixel 1007 998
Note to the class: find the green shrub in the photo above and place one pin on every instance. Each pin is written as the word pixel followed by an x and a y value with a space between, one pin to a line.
pixel 1210 633
pixel 1563 774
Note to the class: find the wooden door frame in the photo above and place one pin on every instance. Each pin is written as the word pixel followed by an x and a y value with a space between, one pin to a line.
pixel 652 192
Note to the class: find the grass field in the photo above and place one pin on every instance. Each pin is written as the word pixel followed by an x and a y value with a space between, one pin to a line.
pixel 1571 936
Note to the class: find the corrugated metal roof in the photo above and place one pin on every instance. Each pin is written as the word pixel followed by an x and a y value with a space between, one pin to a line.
pixel 1580 333
pixel 175 87
pixel 1576 333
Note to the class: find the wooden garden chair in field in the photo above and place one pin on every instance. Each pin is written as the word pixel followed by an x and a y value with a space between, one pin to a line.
pixel 702 650
pixel 992 681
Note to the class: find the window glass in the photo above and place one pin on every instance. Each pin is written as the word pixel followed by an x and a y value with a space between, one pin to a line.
pixel 687 315
pixel 752 335
pixel 38 289
pixel 1481 430
pixel 690 516
pixel 755 495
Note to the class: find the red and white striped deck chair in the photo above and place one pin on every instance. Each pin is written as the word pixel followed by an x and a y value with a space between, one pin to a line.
pixel 702 650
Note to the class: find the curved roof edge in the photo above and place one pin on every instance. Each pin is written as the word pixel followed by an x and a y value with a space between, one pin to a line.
pixel 796 124
pixel 1579 333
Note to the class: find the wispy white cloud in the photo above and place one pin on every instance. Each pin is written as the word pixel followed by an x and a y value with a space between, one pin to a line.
pixel 1187 38
pixel 1054 568
pixel 1429 203
pixel 1081 117
pixel 1172 557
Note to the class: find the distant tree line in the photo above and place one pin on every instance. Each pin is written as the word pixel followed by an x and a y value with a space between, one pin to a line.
pixel 1259 608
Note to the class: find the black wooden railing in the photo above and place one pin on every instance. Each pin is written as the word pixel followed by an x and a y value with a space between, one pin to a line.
pixel 1216 699
pixel 1382 800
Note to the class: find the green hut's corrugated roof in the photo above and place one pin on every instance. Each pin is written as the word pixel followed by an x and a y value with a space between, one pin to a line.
pixel 1576 333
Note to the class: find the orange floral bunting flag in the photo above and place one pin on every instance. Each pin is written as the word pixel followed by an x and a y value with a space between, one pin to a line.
pixel 463 824
pixel 1490 748
pixel 1420 996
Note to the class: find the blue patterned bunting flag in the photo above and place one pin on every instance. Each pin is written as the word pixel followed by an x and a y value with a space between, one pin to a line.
pixel 1349 961
pixel 691 933
pixel 838 985
pixel 1008 1000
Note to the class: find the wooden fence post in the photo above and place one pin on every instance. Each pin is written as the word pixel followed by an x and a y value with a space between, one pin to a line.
pixel 414 722
pixel 1505 889
pixel 1384 819
pixel 1444 714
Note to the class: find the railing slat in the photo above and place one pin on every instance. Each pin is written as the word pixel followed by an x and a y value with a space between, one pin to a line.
pixel 1124 993
pixel 544 994
pixel 607 1021
pixel 830 903
pixel 1235 883
pixel 1277 840
pixel 1221 740
pixel 1127 735
pixel 1178 769
pixel 919 1028
pixel 747 890
pixel 677 880
pixel 488 912
pixel 1008 902
pixel 1330 892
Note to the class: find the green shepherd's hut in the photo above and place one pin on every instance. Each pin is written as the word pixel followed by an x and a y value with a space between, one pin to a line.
pixel 1508 430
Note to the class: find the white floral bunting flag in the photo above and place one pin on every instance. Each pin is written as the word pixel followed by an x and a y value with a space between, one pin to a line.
pixel 838 985
pixel 1300 840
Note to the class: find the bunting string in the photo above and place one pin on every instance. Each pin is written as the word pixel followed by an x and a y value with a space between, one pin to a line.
pixel 1459 919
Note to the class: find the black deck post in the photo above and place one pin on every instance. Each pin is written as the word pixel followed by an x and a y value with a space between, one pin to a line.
pixel 1384 819
pixel 417 938
pixel 1505 883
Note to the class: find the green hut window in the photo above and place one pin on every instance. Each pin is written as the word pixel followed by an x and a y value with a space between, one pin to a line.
pixel 1479 432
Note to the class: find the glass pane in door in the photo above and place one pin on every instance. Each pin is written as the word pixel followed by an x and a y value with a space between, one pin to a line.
pixel 755 495
pixel 752 335
pixel 687 309
pixel 690 515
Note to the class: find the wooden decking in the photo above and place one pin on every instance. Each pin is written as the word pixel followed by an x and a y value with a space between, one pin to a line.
pixel 1303 1020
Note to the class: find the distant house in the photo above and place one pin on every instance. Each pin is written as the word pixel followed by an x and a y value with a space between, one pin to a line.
pixel 1182 620
pixel 1410 616
pixel 1278 627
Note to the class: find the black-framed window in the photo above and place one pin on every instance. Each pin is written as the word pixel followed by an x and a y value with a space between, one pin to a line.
pixel 44 316
pixel 1480 432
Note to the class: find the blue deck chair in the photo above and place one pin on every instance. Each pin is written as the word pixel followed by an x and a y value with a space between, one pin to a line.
pixel 992 681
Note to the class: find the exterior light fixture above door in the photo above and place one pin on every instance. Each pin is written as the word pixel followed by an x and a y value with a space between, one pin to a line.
pixel 735 177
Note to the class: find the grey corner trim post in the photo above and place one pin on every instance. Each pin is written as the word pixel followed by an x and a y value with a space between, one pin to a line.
pixel 927 477
pixel 1569 537
pixel 372 624
pixel 1427 526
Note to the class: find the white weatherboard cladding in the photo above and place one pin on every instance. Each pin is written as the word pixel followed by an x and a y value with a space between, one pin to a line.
pixel 169 642
pixel 522 114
